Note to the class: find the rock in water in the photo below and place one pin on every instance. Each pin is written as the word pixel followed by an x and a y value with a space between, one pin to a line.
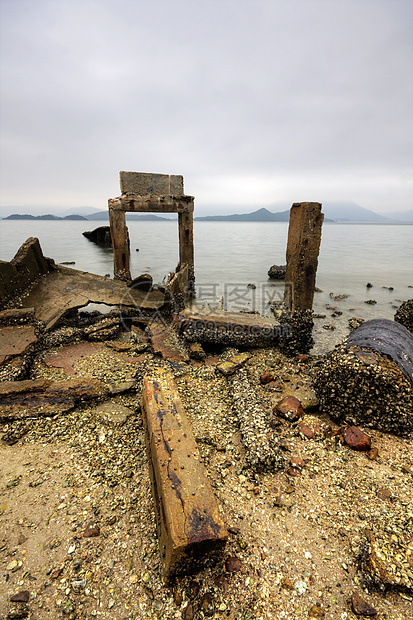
pixel 368 378
pixel 277 272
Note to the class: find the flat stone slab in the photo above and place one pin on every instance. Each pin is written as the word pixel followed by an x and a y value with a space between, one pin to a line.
pixel 68 356
pixel 190 528
pixel 112 413
pixel 67 289
pixel 16 340
pixel 166 343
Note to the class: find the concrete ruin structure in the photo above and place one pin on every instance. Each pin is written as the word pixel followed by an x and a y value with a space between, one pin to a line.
pixel 154 193
pixel 303 246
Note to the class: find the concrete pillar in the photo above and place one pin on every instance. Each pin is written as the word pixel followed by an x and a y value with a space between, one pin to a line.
pixel 120 243
pixel 304 237
pixel 186 240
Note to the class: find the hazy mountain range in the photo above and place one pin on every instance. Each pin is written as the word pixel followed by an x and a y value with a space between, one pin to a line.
pixel 334 211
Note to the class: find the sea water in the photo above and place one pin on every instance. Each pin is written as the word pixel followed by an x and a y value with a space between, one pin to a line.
pixel 232 260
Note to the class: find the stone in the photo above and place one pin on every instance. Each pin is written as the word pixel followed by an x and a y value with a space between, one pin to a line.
pixel 21 597
pixel 206 605
pixel 67 356
pixel 100 235
pixel 166 342
pixel 233 564
pixel 360 607
pixel 316 612
pixel 16 340
pixel 277 272
pixel 306 430
pixel 196 351
pixel 92 530
pixel 229 366
pixel 113 414
pixel 289 408
pixel 190 528
pixel 143 282
pixel 268 377
pixel 26 267
pixel 356 439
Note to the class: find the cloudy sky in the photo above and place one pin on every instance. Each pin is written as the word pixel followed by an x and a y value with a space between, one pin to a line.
pixel 252 101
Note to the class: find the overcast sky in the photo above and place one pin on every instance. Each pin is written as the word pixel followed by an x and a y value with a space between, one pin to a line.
pixel 252 101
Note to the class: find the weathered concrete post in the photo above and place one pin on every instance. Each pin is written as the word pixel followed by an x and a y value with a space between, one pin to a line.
pixel 304 237
pixel 190 528
pixel 186 240
pixel 120 244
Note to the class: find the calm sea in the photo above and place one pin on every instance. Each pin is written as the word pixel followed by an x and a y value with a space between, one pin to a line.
pixel 229 256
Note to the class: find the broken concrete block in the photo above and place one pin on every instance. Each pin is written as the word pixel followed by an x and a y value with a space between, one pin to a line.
pixel 40 398
pixel 143 183
pixel 190 529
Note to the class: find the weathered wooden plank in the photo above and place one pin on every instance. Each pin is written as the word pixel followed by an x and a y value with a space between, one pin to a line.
pixel 191 531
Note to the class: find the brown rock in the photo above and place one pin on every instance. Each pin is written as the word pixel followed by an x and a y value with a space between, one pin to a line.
pixel 287 583
pixel 302 358
pixel 297 462
pixel 316 612
pixel 207 605
pixel 233 564
pixel 292 471
pixel 289 408
pixel 221 582
pixel 16 340
pixel 91 531
pixel 384 494
pixel 188 613
pixel 373 453
pixel 266 378
pixel 360 607
pixel 21 597
pixel 356 439
pixel 306 430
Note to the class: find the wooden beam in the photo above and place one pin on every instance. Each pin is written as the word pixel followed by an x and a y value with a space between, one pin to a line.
pixel 191 531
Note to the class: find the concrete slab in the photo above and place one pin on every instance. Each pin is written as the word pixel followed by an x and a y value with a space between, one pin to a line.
pixel 16 340
pixel 66 289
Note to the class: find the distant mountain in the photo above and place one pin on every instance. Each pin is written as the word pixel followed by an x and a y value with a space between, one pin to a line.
pixel 104 215
pixel 403 216
pixel 344 211
pixel 261 215
pixel 48 216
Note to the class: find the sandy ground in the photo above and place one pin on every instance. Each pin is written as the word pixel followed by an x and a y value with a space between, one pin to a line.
pixel 77 523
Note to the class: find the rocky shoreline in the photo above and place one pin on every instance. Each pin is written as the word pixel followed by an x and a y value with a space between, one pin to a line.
pixel 317 527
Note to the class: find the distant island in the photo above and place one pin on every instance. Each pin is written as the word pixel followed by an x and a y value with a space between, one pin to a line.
pixel 26 216
pixel 337 211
